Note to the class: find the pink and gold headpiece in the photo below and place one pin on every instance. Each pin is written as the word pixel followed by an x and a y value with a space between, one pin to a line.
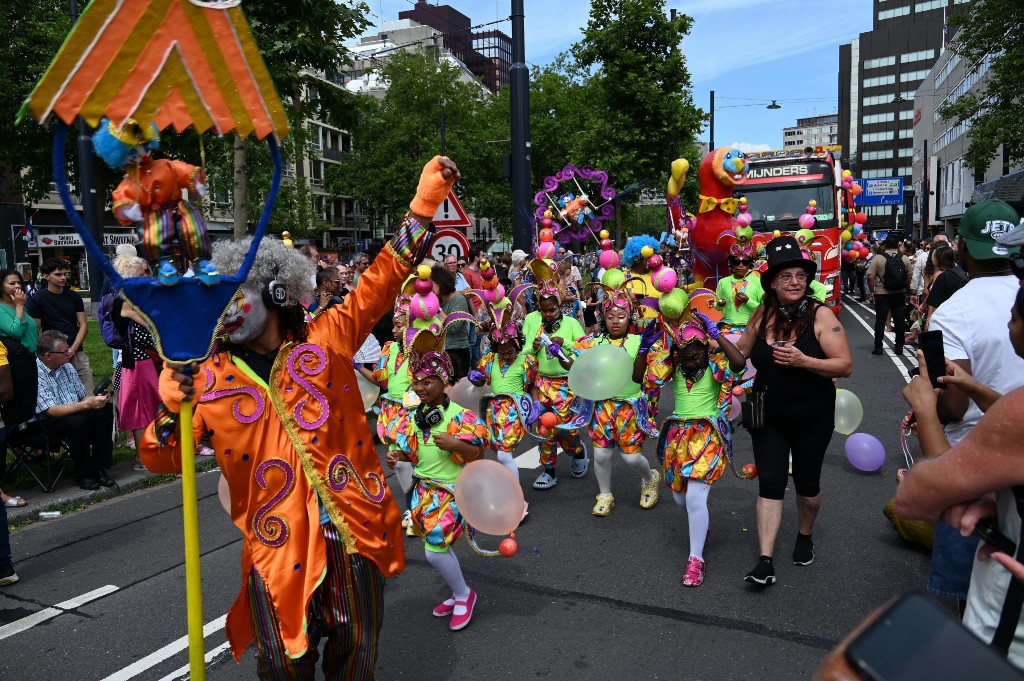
pixel 426 349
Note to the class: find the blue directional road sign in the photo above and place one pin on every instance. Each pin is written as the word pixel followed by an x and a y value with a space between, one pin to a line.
pixel 881 191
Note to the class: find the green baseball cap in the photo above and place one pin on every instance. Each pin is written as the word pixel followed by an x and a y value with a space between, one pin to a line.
pixel 982 224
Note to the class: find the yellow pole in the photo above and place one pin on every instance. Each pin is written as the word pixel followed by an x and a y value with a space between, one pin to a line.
pixel 193 573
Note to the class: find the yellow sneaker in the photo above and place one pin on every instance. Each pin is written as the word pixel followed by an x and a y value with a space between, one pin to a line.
pixel 605 504
pixel 649 490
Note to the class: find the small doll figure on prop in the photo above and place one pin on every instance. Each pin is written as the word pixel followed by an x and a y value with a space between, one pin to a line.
pixel 622 422
pixel 172 230
pixel 696 440
pixel 440 438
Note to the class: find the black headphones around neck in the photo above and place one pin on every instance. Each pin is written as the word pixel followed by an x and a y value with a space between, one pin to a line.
pixel 427 417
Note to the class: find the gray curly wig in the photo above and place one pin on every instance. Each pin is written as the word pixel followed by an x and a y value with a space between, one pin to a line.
pixel 274 260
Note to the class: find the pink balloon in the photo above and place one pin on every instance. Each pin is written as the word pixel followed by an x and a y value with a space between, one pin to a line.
pixel 750 373
pixel 734 408
pixel 806 221
pixel 489 497
pixel 664 279
pixel 609 259
pixel 654 262
pixel 865 452
pixel 546 249
pixel 467 395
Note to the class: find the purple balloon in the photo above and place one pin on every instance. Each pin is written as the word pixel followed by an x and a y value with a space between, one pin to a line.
pixel 865 452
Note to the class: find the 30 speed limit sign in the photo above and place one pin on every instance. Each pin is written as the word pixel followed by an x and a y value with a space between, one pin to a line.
pixel 449 242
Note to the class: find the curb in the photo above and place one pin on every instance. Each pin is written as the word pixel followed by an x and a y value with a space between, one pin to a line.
pixel 127 479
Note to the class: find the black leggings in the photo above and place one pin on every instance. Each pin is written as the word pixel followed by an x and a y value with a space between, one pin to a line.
pixel 808 441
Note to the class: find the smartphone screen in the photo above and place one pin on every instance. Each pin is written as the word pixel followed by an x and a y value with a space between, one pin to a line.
pixel 930 343
pixel 916 639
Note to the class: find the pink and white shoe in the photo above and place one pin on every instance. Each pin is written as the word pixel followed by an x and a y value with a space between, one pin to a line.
pixel 694 575
pixel 463 612
pixel 445 608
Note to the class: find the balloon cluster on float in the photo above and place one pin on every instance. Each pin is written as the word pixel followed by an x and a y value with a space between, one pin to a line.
pixel 743 218
pixel 609 257
pixel 546 248
pixel 852 221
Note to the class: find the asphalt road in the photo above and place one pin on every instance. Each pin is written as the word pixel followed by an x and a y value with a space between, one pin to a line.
pixel 102 590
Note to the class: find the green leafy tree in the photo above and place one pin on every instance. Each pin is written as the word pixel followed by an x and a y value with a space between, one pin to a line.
pixel 399 133
pixel 992 29
pixel 31 34
pixel 641 87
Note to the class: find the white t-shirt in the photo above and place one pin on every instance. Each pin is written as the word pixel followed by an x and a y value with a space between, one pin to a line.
pixel 973 325
pixel 989 582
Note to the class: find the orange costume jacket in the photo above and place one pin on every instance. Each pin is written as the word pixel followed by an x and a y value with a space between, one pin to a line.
pixel 282 446
pixel 155 185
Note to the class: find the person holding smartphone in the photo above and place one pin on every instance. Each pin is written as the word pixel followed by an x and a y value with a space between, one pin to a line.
pixel 955 484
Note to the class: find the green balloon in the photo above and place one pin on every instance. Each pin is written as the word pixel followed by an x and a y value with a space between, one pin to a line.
pixel 849 412
pixel 744 233
pixel 806 234
pixel 673 303
pixel 613 278
pixel 601 372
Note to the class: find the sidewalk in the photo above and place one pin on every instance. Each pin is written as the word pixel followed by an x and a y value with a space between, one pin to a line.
pixel 68 492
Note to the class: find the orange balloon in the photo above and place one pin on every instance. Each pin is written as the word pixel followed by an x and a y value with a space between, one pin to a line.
pixel 856 190
pixel 549 419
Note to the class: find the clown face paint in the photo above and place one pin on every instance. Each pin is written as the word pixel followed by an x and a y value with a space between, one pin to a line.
pixel 246 318
pixel 430 390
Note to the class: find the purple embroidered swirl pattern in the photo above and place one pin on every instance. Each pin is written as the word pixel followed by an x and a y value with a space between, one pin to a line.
pixel 272 530
pixel 310 360
pixel 236 409
pixel 340 470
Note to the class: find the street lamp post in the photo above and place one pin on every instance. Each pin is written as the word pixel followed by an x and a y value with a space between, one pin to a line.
pixel 519 161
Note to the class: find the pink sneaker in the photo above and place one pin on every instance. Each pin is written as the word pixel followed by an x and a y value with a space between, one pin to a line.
pixel 445 608
pixel 461 619
pixel 694 572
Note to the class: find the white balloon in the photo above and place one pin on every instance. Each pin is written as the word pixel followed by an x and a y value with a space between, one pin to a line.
pixel 367 390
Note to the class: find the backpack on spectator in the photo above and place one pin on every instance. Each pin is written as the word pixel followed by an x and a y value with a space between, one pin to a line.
pixel 112 336
pixel 895 277
pixel 22 405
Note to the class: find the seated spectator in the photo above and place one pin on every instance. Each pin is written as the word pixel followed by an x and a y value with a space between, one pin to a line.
pixel 84 422
pixel 956 487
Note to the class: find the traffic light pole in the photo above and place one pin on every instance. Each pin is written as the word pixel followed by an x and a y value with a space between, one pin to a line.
pixel 519 83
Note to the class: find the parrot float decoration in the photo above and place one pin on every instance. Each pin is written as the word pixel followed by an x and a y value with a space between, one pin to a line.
pixel 720 173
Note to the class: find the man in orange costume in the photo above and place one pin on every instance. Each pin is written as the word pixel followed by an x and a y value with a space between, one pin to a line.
pixel 281 406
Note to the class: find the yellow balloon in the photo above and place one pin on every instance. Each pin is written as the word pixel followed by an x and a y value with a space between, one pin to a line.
pixel 845 235
pixel 812 203
pixel 604 234
pixel 646 251
pixel 776 233
pixel 423 271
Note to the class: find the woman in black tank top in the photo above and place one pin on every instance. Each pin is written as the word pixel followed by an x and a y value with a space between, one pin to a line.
pixel 798 347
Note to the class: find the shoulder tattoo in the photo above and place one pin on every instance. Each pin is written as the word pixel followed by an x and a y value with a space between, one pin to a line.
pixel 837 329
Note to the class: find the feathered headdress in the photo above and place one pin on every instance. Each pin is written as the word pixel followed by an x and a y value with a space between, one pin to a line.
pixel 546 283
pixel 426 348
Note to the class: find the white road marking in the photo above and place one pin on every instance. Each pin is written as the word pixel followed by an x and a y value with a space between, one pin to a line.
pixel 183 672
pixel 26 623
pixel 155 658
pixel 529 459
pixel 890 337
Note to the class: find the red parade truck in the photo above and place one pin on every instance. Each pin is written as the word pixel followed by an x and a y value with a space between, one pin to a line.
pixel 778 187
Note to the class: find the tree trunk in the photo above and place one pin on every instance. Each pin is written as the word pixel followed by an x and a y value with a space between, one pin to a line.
pixel 241 193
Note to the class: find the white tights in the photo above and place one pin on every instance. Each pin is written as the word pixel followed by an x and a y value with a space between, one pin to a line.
pixel 603 467
pixel 507 460
pixel 448 565
pixel 695 501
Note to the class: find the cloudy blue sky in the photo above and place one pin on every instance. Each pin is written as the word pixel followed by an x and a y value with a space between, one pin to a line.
pixel 748 51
